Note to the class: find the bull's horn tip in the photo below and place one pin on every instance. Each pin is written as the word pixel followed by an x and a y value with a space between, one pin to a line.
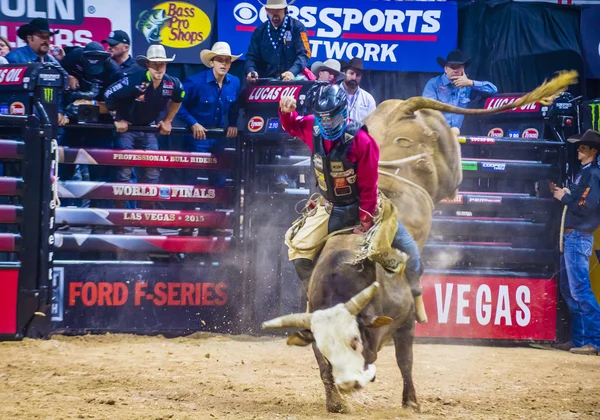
pixel 376 285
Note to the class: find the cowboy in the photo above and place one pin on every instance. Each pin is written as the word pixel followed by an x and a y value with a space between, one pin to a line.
pixel 454 87
pixel 360 102
pixel 329 71
pixel 279 47
pixel 582 218
pixel 211 101
pixel 139 99
pixel 345 160
pixel 119 44
pixel 37 35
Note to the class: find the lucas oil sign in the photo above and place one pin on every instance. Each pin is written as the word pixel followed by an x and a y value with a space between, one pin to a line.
pixel 382 33
pixel 184 28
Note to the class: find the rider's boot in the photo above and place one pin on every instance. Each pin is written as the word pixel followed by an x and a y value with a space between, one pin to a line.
pixel 414 280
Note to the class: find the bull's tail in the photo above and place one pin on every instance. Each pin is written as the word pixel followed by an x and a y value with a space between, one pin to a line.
pixel 544 94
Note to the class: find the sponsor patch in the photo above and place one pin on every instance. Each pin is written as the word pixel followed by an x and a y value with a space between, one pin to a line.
pixel 496 132
pixel 530 133
pixel 305 42
pixel 318 162
pixel 469 165
pixel 336 166
pixel 167 92
pixel 168 85
pixel 352 179
pixel 17 108
pixel 321 180
pixel 340 183
pixel 255 124
pixel 344 174
pixel 493 166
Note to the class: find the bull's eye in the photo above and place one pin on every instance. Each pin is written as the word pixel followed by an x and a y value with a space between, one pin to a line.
pixel 355 342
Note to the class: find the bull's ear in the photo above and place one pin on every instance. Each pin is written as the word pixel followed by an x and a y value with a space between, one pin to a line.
pixel 379 321
pixel 300 338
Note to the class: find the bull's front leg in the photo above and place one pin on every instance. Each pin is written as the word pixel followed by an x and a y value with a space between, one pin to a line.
pixel 333 399
pixel 403 341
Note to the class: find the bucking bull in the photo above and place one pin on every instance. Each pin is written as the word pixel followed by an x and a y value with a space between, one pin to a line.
pixel 355 309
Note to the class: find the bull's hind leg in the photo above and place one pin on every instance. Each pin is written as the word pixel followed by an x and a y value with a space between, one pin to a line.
pixel 333 399
pixel 403 340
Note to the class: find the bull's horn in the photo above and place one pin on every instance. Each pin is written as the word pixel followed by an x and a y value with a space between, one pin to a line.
pixel 289 321
pixel 362 299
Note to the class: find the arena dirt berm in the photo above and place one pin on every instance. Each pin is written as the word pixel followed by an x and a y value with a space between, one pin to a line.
pixel 206 376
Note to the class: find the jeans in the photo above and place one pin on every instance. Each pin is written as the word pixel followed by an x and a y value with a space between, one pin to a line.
pixel 576 289
pixel 216 146
pixel 138 140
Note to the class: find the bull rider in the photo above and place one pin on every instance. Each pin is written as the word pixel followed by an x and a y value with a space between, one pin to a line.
pixel 345 160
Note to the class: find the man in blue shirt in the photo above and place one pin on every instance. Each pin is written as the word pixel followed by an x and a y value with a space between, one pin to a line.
pixel 211 101
pixel 37 35
pixel 454 87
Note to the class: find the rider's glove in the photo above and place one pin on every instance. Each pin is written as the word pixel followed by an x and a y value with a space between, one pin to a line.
pixel 366 222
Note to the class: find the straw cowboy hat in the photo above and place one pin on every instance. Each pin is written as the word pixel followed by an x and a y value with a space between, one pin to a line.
pixel 155 54
pixel 276 4
pixel 219 48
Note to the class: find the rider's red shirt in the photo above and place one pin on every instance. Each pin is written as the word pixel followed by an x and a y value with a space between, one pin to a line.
pixel 364 152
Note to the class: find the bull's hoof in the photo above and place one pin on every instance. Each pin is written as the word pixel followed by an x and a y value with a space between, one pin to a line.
pixel 413 405
pixel 337 407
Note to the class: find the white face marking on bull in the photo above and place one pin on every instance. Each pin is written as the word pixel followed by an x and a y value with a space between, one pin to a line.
pixel 337 336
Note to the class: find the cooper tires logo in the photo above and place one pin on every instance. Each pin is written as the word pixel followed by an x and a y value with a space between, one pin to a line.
pixel 245 13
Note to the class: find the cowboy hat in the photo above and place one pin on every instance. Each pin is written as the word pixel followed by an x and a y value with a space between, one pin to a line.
pixel 276 4
pixel 454 57
pixel 354 63
pixel 219 48
pixel 36 25
pixel 590 138
pixel 155 54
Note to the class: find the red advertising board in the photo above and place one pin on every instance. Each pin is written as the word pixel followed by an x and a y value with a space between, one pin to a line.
pixel 8 301
pixel 489 307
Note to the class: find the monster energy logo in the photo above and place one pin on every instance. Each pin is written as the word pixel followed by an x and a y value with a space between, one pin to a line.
pixel 595 108
pixel 48 95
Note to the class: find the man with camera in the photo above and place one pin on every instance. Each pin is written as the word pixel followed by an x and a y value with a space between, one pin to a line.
pixel 139 99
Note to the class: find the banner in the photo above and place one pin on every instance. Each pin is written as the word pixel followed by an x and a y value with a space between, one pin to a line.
pixel 590 40
pixel 398 36
pixel 172 298
pixel 489 307
pixel 9 285
pixel 184 28
pixel 79 22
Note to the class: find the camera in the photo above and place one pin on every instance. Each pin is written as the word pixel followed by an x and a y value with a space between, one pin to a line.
pixel 88 113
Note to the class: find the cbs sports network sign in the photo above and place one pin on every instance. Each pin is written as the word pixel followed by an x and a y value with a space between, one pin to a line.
pixel 396 36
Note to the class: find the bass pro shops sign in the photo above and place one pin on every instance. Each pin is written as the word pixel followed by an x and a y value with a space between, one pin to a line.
pixel 398 36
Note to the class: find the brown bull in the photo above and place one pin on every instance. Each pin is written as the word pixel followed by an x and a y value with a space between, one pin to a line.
pixel 355 309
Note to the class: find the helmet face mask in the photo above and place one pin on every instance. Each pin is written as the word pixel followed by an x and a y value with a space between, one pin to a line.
pixel 330 110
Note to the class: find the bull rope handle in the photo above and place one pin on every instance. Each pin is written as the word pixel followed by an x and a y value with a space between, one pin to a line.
pixel 562 229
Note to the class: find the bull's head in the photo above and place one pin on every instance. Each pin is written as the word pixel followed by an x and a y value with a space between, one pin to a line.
pixel 336 333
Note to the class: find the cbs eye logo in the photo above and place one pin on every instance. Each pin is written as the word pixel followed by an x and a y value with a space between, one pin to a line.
pixel 245 13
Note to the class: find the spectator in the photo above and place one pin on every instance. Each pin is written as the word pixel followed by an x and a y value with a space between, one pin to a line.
pixel 360 102
pixel 454 87
pixel 279 47
pixel 4 50
pixel 329 71
pixel 37 35
pixel 211 101
pixel 118 46
pixel 581 220
pixel 139 99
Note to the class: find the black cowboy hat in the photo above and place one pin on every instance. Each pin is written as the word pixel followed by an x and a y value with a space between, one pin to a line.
pixel 454 57
pixel 354 63
pixel 36 25
pixel 589 138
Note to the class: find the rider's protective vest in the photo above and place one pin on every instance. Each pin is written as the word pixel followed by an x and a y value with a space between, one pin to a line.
pixel 336 175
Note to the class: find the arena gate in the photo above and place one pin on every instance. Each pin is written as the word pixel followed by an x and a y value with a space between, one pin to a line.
pixel 491 259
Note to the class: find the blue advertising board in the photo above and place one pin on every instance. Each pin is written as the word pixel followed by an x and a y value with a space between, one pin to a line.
pixel 184 28
pixel 590 40
pixel 398 36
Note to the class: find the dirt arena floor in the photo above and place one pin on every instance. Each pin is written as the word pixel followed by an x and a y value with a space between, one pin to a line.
pixel 208 376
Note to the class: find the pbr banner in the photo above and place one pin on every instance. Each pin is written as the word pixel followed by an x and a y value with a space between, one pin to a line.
pixel 79 21
pixel 590 40
pixel 184 28
pixel 386 35
pixel 489 307
pixel 157 298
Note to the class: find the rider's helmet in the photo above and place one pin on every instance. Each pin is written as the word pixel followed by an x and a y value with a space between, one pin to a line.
pixel 331 110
